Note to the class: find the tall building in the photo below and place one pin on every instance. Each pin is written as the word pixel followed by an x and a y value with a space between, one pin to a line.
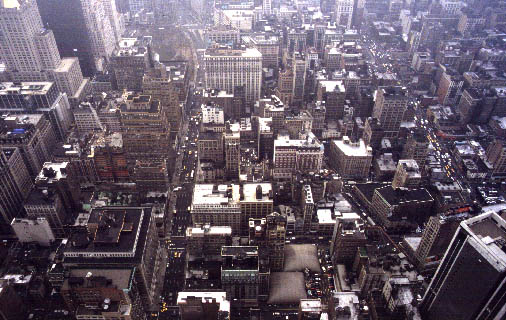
pixel 164 90
pixel 130 61
pixel 349 235
pixel 226 69
pixel 416 147
pixel 269 234
pixel 86 29
pixel 207 240
pixel 196 305
pixel 407 174
pixel 344 12
pixel 36 230
pixel 145 129
pixel 15 185
pixel 352 160
pixel 496 155
pixel 232 148
pixel 38 97
pixel 334 95
pixel 29 51
pixel 307 204
pixel 118 237
pixel 389 108
pixel 240 274
pixel 299 77
pixel 292 155
pixel 109 157
pixel 475 261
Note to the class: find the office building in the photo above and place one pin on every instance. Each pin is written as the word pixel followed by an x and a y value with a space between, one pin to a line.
pixel 120 237
pixel 38 58
pixel 145 129
pixel 38 97
pixel 194 305
pixel 86 119
pixel 308 207
pixel 86 29
pixel 344 12
pixel 496 155
pixel 206 240
pixel 310 309
pixel 109 157
pixel 474 262
pixel 15 185
pixel 292 155
pixel 334 94
pixel 226 69
pixel 268 45
pixel 36 230
pixel 34 137
pixel 269 235
pixel 351 160
pixel 129 62
pixel 103 293
pixel 349 235
pixel 407 174
pixel 299 77
pixel 373 132
pixel 389 108
pixel 151 175
pixel 416 147
pixel 232 149
pixel 240 274
pixel 210 147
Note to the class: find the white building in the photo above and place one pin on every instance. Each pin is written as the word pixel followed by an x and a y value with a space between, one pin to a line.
pixel 86 119
pixel 29 51
pixel 212 114
pixel 225 69
pixel 344 12
pixel 352 160
pixel 36 230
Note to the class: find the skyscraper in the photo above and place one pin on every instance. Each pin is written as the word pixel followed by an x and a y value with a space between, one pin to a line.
pixel 470 282
pixel 391 102
pixel 225 69
pixel 29 51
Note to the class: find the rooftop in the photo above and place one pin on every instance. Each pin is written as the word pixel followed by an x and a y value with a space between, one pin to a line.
pixel 353 149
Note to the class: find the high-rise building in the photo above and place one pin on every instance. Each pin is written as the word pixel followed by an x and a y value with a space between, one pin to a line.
pixel 151 175
pixel 349 235
pixel 240 274
pixel 389 108
pixel 36 58
pixel 407 174
pixel 164 90
pixel 145 129
pixel 130 61
pixel 86 29
pixel 103 293
pixel 333 93
pixel 344 12
pixel 15 185
pixel 496 155
pixel 109 157
pixel 120 237
pixel 292 155
pixel 307 205
pixel 36 230
pixel 226 69
pixel 207 240
pixel 475 261
pixel 37 97
pixel 34 137
pixel 269 234
pixel 416 147
pixel 299 77
pixel 352 160
pixel 194 305
pixel 232 148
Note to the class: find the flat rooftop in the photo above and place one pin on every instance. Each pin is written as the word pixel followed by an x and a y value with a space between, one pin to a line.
pixel 25 88
pixel 301 256
pixel 353 149
pixel 287 288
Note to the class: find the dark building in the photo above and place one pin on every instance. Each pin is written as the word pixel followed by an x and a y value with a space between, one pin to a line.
pixel 470 282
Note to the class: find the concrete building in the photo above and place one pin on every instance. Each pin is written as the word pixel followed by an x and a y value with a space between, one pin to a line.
pixel 240 274
pixel 38 97
pixel 334 94
pixel 479 241
pixel 86 119
pixel 206 240
pixel 389 108
pixel 496 155
pixel 268 46
pixel 344 12
pixel 290 156
pixel 310 309
pixel 373 132
pixel 203 305
pixel 269 235
pixel 38 58
pixel 299 77
pixel 416 147
pixel 88 30
pixel 232 149
pixel 407 174
pixel 15 185
pixel 37 230
pixel 109 157
pixel 352 160
pixel 129 62
pixel 226 69
pixel 349 235
pixel 210 147
pixel 212 114
pixel 120 237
